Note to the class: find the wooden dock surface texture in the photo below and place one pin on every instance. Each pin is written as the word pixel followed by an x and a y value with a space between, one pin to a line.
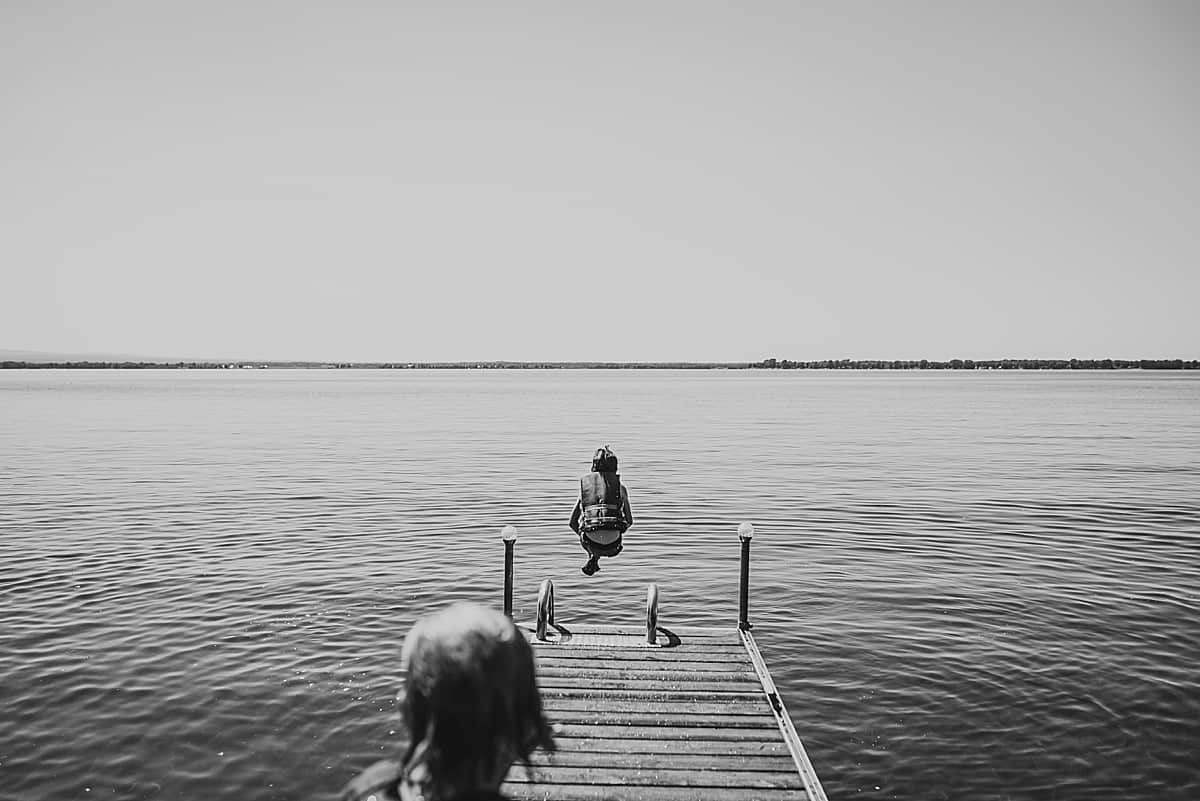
pixel 694 716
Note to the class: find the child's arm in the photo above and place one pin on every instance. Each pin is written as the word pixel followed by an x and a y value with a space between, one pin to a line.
pixel 575 516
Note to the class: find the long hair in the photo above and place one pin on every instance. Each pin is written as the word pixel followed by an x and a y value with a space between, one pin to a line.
pixel 471 701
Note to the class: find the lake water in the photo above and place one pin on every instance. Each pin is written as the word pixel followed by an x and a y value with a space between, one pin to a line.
pixel 967 585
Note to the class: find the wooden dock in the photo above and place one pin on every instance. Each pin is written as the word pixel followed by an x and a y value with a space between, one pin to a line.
pixel 693 717
pixel 659 714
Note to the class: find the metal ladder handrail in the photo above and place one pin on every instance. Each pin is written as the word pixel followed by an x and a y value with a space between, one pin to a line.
pixel 545 607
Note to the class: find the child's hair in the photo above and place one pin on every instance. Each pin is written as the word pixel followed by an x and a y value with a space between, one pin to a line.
pixel 604 461
pixel 471 701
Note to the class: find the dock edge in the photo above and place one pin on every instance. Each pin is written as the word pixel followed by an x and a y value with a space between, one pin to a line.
pixel 812 785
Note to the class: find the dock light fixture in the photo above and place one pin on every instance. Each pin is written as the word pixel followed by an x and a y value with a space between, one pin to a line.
pixel 746 530
pixel 509 533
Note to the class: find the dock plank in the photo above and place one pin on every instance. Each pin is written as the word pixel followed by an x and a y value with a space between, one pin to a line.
pixel 669 745
pixel 752 761
pixel 604 774
pixel 715 732
pixel 632 630
pixel 649 691
pixel 567 633
pixel 600 667
pixel 661 643
pixel 753 706
pixel 723 654
pixel 608 717
pixel 644 680
pixel 589 792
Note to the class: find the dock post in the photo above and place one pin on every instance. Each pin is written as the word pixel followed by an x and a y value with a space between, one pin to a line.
pixel 509 535
pixel 745 534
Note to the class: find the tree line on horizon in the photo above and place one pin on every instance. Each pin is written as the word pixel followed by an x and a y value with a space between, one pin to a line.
pixel 767 364
pixel 982 364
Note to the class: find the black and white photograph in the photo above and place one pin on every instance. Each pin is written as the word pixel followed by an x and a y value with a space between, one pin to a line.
pixel 580 401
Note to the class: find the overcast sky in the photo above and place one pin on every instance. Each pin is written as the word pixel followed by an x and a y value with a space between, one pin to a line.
pixel 570 181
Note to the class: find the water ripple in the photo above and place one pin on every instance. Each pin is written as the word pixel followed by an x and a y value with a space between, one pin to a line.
pixel 966 586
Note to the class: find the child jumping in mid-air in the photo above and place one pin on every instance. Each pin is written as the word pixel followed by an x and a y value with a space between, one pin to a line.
pixel 602 512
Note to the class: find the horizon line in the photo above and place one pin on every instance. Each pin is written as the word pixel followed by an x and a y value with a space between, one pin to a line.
pixel 1073 363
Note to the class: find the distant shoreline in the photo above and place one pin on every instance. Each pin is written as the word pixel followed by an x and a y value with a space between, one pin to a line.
pixel 766 364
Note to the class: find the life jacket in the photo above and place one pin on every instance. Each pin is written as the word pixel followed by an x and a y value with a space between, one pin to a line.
pixel 600 503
